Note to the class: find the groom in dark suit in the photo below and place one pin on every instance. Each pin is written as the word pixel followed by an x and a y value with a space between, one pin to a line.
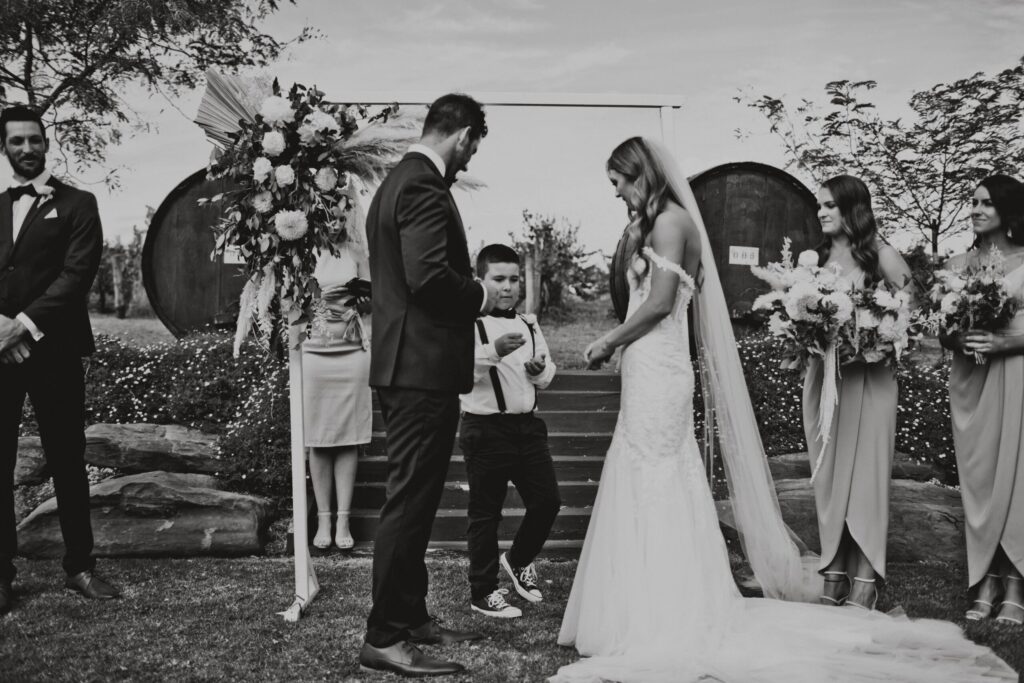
pixel 425 300
pixel 50 248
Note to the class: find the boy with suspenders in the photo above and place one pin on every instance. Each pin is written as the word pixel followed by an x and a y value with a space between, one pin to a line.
pixel 503 441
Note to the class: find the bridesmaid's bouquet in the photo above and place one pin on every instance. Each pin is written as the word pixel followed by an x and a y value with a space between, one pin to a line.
pixel 880 328
pixel 809 306
pixel 971 298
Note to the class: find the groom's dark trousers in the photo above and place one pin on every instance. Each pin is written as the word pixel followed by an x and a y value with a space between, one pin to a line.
pixel 424 304
pixel 46 273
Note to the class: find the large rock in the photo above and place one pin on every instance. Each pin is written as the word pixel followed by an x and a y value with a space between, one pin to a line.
pixel 149 447
pixel 798 466
pixel 926 521
pixel 157 514
pixel 30 466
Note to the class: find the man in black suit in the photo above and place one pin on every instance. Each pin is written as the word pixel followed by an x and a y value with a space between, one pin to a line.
pixel 425 300
pixel 50 248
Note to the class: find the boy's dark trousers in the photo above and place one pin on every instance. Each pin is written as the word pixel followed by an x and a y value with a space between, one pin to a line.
pixel 499 449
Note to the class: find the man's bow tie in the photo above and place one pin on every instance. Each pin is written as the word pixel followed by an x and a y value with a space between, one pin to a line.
pixel 503 312
pixel 19 191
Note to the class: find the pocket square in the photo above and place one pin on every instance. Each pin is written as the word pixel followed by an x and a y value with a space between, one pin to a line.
pixel 52 214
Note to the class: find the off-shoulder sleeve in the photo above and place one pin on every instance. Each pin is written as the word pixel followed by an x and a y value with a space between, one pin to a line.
pixel 665 264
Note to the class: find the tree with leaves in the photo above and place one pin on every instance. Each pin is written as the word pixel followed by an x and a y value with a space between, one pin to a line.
pixel 554 246
pixel 72 60
pixel 921 169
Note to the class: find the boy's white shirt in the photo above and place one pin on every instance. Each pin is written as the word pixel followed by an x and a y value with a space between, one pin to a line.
pixel 518 386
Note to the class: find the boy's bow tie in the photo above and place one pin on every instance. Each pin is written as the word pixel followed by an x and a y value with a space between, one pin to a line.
pixel 503 312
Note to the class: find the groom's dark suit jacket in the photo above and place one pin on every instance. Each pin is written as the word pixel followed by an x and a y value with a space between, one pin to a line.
pixel 48 271
pixel 424 296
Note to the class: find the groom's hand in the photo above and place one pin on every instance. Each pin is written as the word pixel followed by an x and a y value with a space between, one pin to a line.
pixel 18 353
pixel 11 332
pixel 490 296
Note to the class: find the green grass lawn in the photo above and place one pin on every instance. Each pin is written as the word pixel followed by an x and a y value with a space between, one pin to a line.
pixel 214 620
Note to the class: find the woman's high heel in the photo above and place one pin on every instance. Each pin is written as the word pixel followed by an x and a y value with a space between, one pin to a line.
pixel 833 577
pixel 982 609
pixel 874 600
pixel 342 537
pixel 322 540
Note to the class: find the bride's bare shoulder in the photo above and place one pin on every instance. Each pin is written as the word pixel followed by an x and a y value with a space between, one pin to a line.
pixel 675 223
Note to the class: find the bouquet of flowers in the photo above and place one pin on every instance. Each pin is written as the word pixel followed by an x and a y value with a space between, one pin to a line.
pixel 809 306
pixel 301 166
pixel 972 298
pixel 880 327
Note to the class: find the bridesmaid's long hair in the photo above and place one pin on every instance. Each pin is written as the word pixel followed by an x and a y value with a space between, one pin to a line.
pixel 853 199
pixel 1007 194
pixel 635 161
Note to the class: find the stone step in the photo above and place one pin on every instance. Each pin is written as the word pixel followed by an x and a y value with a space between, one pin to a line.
pixel 567 468
pixel 573 421
pixel 580 400
pixel 559 443
pixel 450 525
pixel 576 494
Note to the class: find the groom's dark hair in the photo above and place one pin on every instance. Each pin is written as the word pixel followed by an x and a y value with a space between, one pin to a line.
pixel 19 112
pixel 494 253
pixel 453 112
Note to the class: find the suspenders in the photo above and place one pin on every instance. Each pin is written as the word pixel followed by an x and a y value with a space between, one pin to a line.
pixel 499 395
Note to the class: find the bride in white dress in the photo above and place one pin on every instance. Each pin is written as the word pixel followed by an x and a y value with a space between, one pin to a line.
pixel 654 599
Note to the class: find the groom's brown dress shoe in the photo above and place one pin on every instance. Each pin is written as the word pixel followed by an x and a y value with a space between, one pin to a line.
pixel 6 596
pixel 432 633
pixel 92 586
pixel 405 659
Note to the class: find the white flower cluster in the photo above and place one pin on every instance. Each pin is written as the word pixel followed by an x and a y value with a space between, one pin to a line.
pixel 277 110
pixel 316 126
pixel 290 225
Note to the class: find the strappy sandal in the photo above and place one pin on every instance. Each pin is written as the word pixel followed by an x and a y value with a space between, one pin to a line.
pixel 976 614
pixel 833 577
pixel 344 541
pixel 1010 620
pixel 874 601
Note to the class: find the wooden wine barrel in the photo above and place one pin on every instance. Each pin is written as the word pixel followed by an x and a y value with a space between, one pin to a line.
pixel 748 209
pixel 188 291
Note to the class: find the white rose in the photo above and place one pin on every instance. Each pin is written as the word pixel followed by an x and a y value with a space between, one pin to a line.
pixel 284 175
pixel 263 202
pixel 261 169
pixel 890 330
pixel 315 124
pixel 886 300
pixel 949 303
pixel 842 303
pixel 777 326
pixel 273 143
pixel 326 179
pixel 290 225
pixel 866 319
pixel 277 110
pixel 807 259
pixel 766 302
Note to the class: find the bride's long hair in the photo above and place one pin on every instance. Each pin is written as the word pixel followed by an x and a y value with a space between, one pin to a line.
pixel 853 199
pixel 635 160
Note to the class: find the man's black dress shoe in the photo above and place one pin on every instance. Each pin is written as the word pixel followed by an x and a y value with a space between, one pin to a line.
pixel 405 659
pixel 92 586
pixel 432 633
pixel 6 596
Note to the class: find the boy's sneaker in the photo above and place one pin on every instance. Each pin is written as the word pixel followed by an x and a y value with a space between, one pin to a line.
pixel 524 579
pixel 495 605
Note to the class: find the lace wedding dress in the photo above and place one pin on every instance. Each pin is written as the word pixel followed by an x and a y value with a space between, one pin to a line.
pixel 654 599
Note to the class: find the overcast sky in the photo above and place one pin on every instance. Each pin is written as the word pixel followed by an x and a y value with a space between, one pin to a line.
pixel 552 161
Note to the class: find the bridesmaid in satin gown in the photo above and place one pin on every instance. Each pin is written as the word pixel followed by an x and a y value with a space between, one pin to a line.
pixel 987 406
pixel 851 490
